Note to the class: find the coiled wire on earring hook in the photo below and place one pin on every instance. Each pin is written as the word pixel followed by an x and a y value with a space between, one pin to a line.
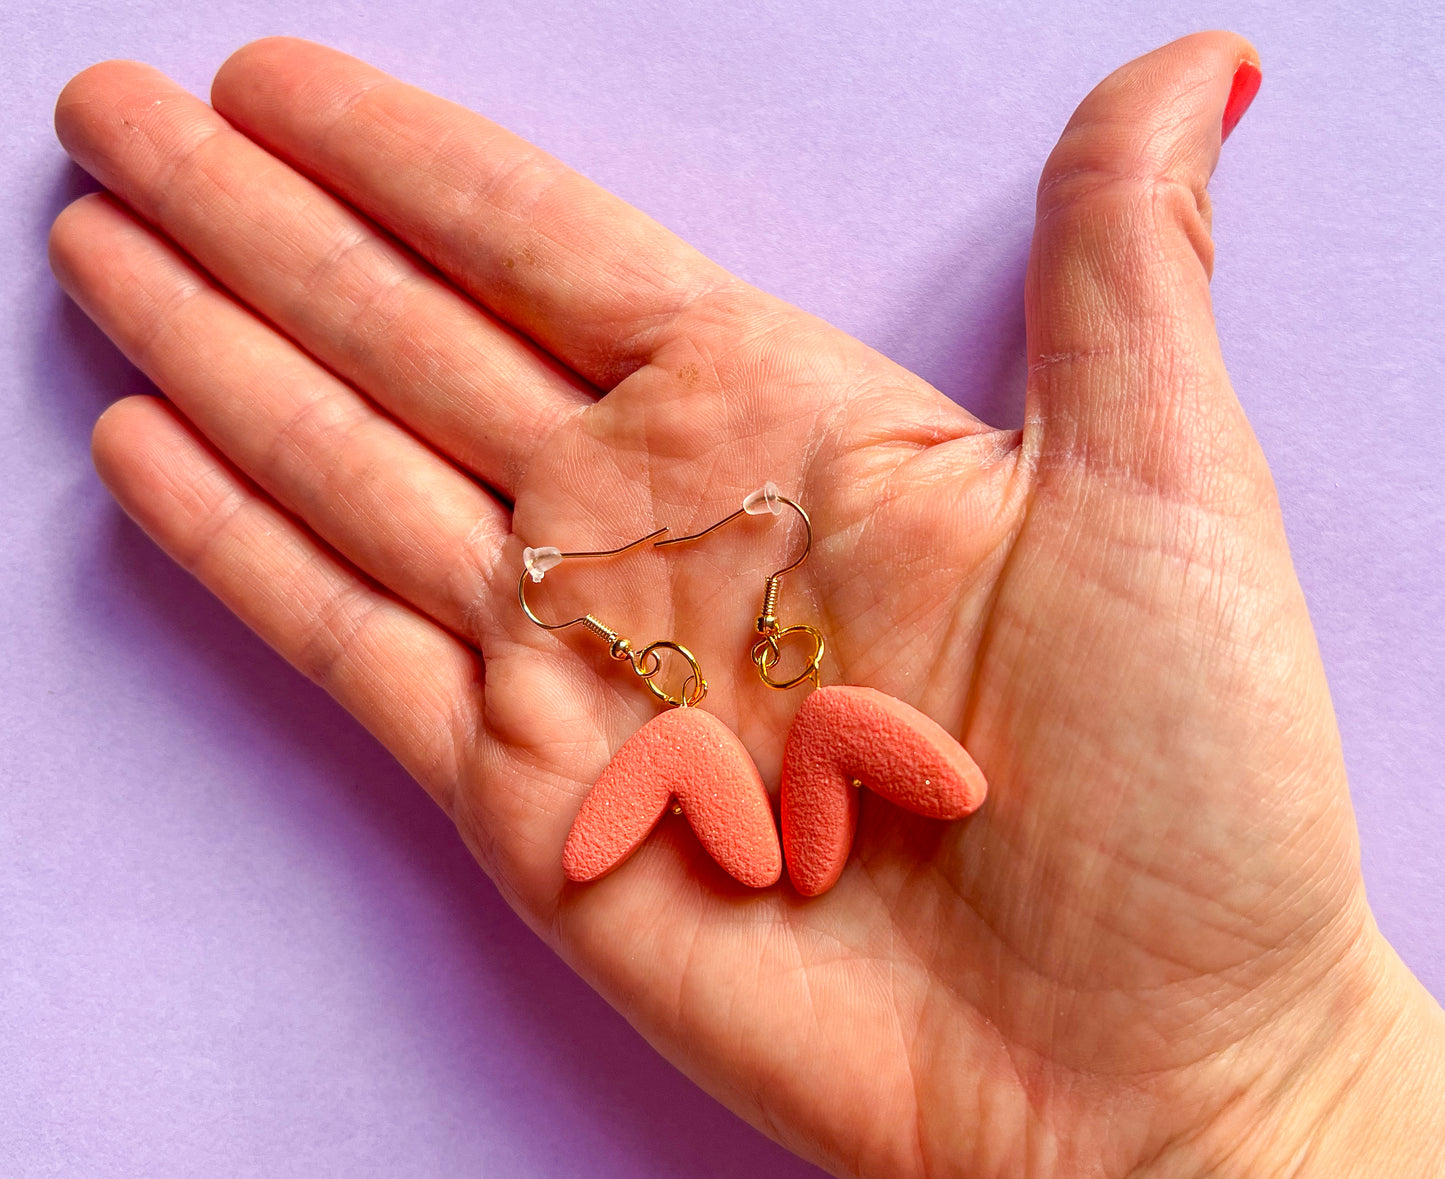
pixel 767 651
pixel 645 663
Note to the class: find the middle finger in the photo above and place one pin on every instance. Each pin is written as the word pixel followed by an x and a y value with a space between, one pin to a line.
pixel 347 293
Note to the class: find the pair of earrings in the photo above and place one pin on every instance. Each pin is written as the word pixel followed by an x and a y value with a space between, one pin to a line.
pixel 842 739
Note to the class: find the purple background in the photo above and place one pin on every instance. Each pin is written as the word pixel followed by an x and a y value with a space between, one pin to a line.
pixel 234 939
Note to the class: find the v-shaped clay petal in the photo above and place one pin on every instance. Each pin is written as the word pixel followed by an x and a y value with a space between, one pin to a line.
pixel 844 735
pixel 691 755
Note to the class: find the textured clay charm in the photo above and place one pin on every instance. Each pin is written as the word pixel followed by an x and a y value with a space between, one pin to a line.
pixel 844 737
pixel 690 755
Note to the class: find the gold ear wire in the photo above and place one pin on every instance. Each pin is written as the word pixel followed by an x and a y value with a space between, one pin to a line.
pixel 645 663
pixel 767 650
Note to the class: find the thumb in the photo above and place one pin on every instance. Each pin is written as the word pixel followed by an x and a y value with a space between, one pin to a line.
pixel 1125 372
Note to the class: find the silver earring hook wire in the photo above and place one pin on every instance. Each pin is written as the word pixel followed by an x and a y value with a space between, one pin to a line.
pixel 768 649
pixel 711 528
pixel 581 619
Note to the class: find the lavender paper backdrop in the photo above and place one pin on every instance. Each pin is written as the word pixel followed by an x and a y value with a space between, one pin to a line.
pixel 235 940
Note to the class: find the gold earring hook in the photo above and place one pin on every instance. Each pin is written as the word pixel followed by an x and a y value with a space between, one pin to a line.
pixel 645 663
pixel 767 650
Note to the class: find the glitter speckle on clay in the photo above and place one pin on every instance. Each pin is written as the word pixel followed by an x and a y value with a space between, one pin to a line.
pixel 845 736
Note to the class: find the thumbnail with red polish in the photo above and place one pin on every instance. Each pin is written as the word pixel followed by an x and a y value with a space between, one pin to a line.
pixel 1247 78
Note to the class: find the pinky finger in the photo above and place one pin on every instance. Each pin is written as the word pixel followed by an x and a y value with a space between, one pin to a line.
pixel 408 681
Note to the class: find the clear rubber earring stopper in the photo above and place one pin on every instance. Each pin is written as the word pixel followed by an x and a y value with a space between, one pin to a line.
pixel 538 561
pixel 764 499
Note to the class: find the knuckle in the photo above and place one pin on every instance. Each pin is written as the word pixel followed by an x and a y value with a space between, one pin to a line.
pixel 1133 227
pixel 333 634
pixel 165 322
pixel 315 437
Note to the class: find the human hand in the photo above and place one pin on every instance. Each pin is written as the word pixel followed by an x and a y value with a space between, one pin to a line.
pixel 1149 952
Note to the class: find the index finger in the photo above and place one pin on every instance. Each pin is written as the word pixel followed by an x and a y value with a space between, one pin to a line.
pixel 596 282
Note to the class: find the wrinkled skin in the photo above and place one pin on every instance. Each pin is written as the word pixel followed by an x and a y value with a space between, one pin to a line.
pixel 1148 953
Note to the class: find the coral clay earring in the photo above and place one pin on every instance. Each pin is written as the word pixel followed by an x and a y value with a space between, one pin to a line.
pixel 845 737
pixel 683 754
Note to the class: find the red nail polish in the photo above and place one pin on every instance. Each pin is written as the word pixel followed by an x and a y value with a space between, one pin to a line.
pixel 1241 93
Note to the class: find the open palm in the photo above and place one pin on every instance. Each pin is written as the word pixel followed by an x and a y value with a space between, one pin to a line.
pixel 386 327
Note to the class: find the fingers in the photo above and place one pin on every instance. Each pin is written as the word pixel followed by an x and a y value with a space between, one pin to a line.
pixel 590 278
pixel 347 293
pixel 1124 365
pixel 414 686
pixel 386 502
